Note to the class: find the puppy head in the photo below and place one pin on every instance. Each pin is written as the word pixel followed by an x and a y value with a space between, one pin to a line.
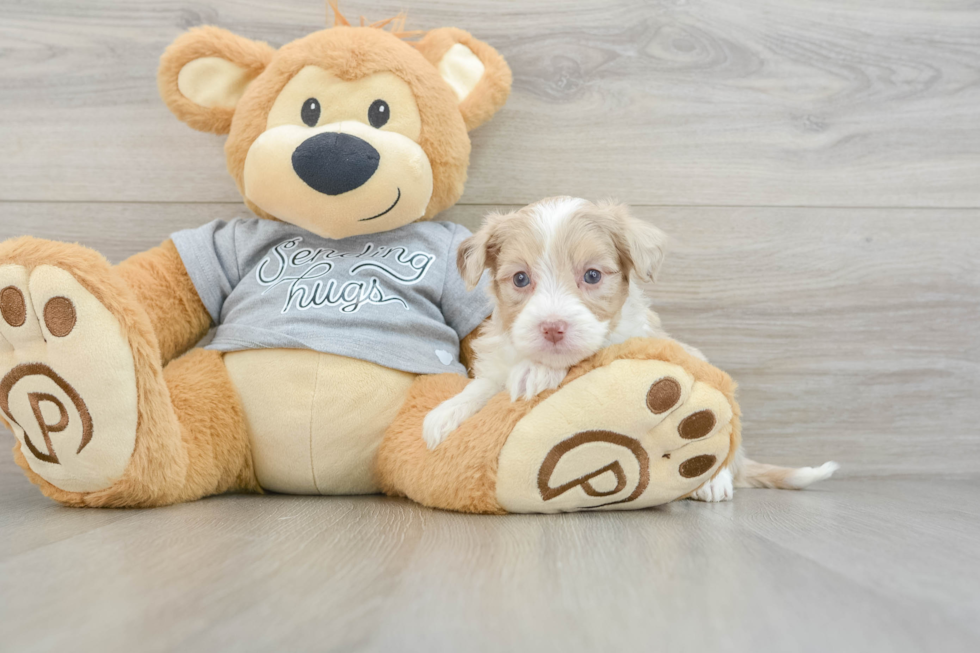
pixel 561 272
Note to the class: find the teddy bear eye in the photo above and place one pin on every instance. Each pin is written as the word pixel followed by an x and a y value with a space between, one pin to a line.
pixel 378 113
pixel 310 112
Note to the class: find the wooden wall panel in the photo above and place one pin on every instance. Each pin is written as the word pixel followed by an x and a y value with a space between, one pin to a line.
pixel 710 102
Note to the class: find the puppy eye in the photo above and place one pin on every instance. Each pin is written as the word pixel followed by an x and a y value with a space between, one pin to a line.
pixel 593 276
pixel 521 279
pixel 378 114
pixel 310 113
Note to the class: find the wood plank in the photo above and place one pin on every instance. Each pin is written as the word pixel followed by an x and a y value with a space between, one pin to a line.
pixel 845 567
pixel 804 102
pixel 854 334
pixel 23 508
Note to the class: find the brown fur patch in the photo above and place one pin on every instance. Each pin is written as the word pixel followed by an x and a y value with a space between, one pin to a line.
pixel 588 241
pixel 466 355
pixel 513 246
pixel 640 244
pixel 167 294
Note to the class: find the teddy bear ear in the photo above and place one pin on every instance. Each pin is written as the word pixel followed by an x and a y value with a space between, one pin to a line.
pixel 475 71
pixel 204 73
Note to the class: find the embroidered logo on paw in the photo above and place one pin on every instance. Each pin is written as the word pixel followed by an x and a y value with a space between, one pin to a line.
pixel 587 482
pixel 444 357
pixel 44 428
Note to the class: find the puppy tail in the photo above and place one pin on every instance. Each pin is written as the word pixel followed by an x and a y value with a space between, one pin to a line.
pixel 753 474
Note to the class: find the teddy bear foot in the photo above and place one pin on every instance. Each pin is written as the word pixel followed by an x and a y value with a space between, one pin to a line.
pixel 659 435
pixel 67 379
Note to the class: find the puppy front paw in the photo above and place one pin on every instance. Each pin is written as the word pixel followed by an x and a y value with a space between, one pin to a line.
pixel 720 488
pixel 527 380
pixel 438 424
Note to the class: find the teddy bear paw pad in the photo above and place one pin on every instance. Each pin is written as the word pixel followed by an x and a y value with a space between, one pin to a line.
pixel 67 379
pixel 632 434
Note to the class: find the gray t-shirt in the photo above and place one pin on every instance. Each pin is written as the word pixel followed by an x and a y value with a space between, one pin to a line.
pixel 393 298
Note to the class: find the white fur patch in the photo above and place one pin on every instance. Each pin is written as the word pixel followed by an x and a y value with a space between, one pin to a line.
pixel 450 414
pixel 719 488
pixel 805 476
pixel 528 379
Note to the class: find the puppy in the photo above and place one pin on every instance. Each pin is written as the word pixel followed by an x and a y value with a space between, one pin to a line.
pixel 566 279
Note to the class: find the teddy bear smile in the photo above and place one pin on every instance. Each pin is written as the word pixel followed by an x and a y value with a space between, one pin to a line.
pixel 387 210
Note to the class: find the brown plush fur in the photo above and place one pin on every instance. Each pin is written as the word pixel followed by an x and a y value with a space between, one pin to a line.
pixel 212 425
pixel 171 462
pixel 252 56
pixel 167 294
pixel 461 473
pixel 494 88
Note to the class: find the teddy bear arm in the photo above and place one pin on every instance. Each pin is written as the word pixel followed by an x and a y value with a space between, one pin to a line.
pixel 160 281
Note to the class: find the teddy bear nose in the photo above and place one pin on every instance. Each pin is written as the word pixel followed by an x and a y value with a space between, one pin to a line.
pixel 333 163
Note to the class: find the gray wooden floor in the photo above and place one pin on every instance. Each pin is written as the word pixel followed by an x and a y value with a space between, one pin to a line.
pixel 818 164
pixel 888 564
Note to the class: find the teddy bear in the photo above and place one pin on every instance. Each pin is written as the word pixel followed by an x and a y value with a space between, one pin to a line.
pixel 340 315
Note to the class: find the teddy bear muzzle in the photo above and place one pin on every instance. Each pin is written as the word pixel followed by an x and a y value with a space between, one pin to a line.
pixel 338 180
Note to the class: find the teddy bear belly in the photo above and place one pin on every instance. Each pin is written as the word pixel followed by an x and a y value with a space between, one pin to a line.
pixel 315 420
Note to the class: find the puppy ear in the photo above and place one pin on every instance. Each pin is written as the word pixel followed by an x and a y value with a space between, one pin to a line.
pixel 475 253
pixel 641 245
pixel 204 73
pixel 475 71
pixel 471 258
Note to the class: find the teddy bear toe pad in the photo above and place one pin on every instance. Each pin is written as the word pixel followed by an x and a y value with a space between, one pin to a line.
pixel 67 379
pixel 632 434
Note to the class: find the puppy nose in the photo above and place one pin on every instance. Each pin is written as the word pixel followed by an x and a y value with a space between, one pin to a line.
pixel 334 163
pixel 553 331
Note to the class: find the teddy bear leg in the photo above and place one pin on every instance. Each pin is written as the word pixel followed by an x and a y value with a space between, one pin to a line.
pixel 98 421
pixel 637 425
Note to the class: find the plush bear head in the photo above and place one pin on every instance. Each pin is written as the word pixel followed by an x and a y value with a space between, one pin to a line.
pixel 347 131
